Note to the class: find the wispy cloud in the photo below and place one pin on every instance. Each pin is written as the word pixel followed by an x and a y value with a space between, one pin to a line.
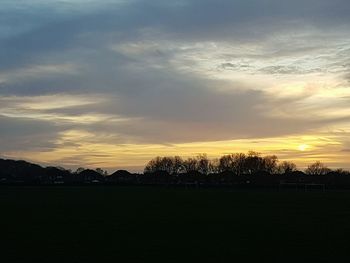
pixel 97 79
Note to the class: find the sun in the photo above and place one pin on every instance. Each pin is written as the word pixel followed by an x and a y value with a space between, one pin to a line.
pixel 303 147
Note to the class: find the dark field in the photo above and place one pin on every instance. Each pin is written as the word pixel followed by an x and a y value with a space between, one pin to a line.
pixel 145 224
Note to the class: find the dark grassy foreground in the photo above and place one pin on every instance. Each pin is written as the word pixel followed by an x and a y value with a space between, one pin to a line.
pixel 143 224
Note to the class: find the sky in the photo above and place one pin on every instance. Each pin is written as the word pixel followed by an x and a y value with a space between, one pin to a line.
pixel 114 83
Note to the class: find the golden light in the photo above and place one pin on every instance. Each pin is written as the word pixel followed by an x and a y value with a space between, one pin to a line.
pixel 303 147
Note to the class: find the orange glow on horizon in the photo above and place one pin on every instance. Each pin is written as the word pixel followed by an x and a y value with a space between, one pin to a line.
pixel 79 148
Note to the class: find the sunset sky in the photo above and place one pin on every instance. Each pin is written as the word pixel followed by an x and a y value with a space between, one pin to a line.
pixel 113 83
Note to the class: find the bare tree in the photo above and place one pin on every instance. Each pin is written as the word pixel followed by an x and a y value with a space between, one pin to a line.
pixel 178 165
pixel 203 163
pixel 253 163
pixel 167 164
pixel 270 164
pixel 226 163
pixel 233 163
pixel 286 167
pixel 317 168
pixel 239 160
pixel 190 165
pixel 156 164
pixel 341 171
pixel 214 166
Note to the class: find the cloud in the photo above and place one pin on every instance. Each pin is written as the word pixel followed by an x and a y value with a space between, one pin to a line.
pixel 288 70
pixel 35 72
pixel 192 21
pixel 23 134
pixel 171 72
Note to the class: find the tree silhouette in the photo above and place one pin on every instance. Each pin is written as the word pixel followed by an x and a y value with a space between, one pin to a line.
pixel 269 164
pixel 253 163
pixel 190 165
pixel 178 165
pixel 230 169
pixel 203 164
pixel 286 168
pixel 317 168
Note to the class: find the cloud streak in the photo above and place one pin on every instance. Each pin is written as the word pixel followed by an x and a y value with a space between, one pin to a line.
pixel 154 72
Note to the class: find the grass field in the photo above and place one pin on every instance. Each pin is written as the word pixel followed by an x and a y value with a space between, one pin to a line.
pixel 146 224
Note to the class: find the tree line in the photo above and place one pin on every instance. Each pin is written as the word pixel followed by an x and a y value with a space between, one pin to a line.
pixel 232 169
pixel 236 163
